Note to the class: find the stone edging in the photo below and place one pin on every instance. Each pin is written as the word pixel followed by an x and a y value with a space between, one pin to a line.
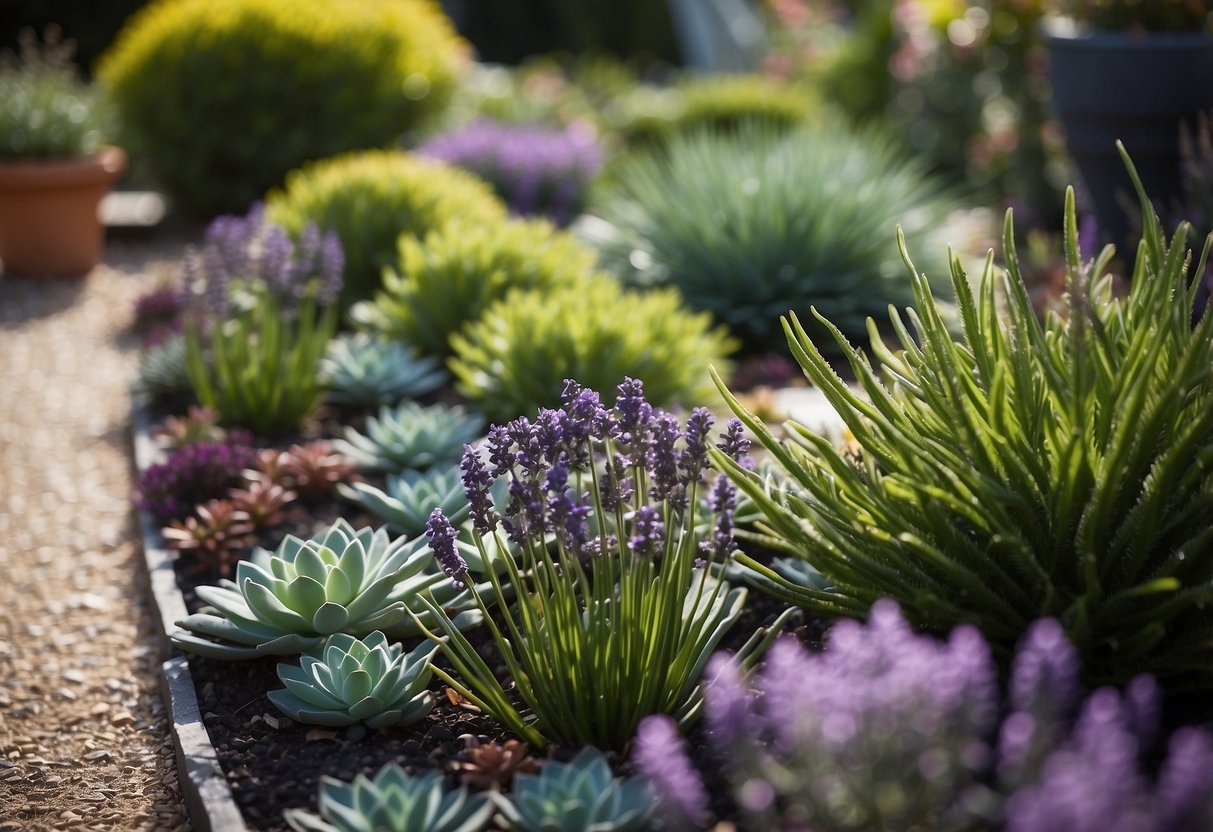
pixel 204 787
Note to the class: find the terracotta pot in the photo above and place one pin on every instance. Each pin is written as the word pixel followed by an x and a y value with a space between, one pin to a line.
pixel 48 213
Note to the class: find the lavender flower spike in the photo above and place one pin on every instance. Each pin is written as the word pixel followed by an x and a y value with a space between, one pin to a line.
pixel 442 535
pixel 476 484
pixel 660 754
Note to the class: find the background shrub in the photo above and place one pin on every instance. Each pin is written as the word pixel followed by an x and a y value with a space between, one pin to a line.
pixel 223 97
pixel 371 198
pixel 516 357
pixel 751 225
pixel 719 102
pixel 537 170
pixel 451 276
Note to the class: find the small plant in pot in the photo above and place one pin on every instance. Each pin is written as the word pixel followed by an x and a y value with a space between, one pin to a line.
pixel 54 170
pixel 1133 71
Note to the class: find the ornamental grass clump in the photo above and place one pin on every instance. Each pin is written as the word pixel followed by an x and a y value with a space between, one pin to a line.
pixel 750 224
pixel 447 279
pixel 536 170
pixel 514 359
pixel 263 316
pixel 1024 469
pixel 889 729
pixel 617 607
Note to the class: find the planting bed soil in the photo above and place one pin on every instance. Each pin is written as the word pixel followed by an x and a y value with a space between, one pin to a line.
pixel 273 763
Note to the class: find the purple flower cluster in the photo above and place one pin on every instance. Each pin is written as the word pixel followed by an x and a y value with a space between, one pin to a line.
pixel 158 314
pixel 253 250
pixel 194 474
pixel 568 466
pixel 893 729
pixel 441 535
pixel 536 170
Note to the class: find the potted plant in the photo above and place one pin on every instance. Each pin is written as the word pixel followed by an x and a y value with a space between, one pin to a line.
pixel 54 170
pixel 1133 70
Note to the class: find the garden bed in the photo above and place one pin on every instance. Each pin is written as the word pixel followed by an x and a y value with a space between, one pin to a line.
pixel 242 763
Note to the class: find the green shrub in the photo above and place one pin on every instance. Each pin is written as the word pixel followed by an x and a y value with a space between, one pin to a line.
pixel 751 225
pixel 455 273
pixel 516 357
pixel 223 97
pixel 717 102
pixel 1025 470
pixel 373 197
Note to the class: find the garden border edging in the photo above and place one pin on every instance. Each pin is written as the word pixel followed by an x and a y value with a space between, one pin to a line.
pixel 208 799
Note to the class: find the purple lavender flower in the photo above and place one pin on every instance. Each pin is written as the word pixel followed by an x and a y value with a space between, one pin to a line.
pixel 277 263
pixel 332 268
pixel 660 755
pixel 476 484
pixel 694 457
pixel 617 487
pixel 723 503
pixel 501 454
pixel 727 705
pixel 441 535
pixel 632 410
pixel 536 170
pixel 586 417
pixel 1044 675
pixel 661 456
pixel 648 532
pixel 1184 796
pixel 734 443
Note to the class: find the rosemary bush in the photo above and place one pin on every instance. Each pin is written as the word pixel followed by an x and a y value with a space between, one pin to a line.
pixel 614 619
pixel 1062 469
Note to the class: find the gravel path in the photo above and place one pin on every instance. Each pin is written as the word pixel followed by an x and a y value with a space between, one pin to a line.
pixel 84 742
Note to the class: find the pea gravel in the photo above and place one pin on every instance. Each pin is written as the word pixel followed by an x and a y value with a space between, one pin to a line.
pixel 84 741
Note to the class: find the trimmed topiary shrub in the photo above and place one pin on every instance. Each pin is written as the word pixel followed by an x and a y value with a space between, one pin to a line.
pixel 371 198
pixel 455 273
pixel 223 97
pixel 757 223
pixel 515 358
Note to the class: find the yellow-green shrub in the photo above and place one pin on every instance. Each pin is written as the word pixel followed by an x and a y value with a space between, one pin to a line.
pixel 452 275
pixel 515 358
pixel 371 198
pixel 222 97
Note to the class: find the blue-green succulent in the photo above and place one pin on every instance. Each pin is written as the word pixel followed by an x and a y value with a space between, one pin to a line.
pixel 411 436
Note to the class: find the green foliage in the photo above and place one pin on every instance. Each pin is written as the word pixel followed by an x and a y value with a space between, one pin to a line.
pixel 455 273
pixel 48 111
pixel 717 102
pixel 357 684
pixel 223 97
pixel 752 225
pixel 363 370
pixel 1025 470
pixel 516 357
pixel 411 436
pixel 393 802
pixel 579 794
pixel 339 581
pixel 162 372
pixel 257 368
pixel 373 197
pixel 410 497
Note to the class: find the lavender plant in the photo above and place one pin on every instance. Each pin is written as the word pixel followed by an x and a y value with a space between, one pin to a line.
pixel 616 609
pixel 536 170
pixel 1024 469
pixel 895 730
pixel 191 475
pixel 263 319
